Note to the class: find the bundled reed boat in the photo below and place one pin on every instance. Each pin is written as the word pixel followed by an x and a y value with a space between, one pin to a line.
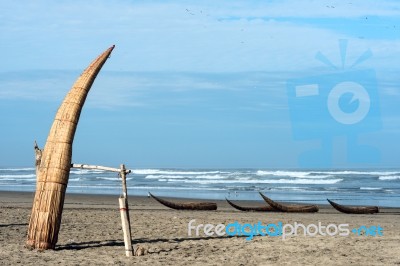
pixel 194 206
pixel 251 209
pixel 354 209
pixel 289 208
pixel 53 163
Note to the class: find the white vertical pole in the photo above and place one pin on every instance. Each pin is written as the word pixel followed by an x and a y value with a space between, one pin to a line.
pixel 124 209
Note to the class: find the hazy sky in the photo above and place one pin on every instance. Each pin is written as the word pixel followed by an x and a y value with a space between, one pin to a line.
pixel 206 85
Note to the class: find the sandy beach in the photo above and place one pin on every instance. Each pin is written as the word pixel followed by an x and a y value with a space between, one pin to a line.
pixel 91 234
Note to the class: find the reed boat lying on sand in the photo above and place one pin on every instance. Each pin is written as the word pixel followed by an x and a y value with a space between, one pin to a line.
pixel 251 209
pixel 354 209
pixel 196 206
pixel 289 208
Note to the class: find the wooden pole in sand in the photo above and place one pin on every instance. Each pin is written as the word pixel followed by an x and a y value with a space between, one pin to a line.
pixel 38 157
pixel 123 201
pixel 124 209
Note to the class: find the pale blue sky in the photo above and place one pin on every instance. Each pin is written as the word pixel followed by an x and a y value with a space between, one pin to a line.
pixel 196 84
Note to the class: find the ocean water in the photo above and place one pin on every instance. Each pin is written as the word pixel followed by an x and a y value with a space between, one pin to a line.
pixel 355 187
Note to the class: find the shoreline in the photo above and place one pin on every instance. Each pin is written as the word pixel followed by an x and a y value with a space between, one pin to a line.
pixel 25 199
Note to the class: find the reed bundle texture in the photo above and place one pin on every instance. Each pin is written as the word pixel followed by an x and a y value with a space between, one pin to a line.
pixel 55 162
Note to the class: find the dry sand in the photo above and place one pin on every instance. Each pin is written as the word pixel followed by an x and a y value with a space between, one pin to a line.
pixel 91 234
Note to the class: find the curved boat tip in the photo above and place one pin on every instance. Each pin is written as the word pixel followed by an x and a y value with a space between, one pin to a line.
pixel 194 206
pixel 251 209
pixel 354 209
pixel 289 208
pixel 56 155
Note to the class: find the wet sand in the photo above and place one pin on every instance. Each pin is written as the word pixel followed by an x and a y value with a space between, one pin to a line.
pixel 91 234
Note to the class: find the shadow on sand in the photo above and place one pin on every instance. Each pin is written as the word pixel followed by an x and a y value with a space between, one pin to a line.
pixel 112 243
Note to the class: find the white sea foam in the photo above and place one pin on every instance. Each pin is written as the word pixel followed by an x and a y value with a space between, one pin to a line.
pixel 280 188
pixel 141 188
pixel 17 169
pixel 370 188
pixel 172 172
pixel 293 181
pixel 14 181
pixel 17 176
pixel 321 174
pixel 393 177
pixel 86 171
pixel 182 177
pixel 381 173
pixel 164 176
pixel 253 181
pixel 14 186
pixel 8 179
pixel 282 173
pixel 317 176
pixel 174 188
pixel 112 178
pixel 107 178
pixel 93 187
pixel 294 174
